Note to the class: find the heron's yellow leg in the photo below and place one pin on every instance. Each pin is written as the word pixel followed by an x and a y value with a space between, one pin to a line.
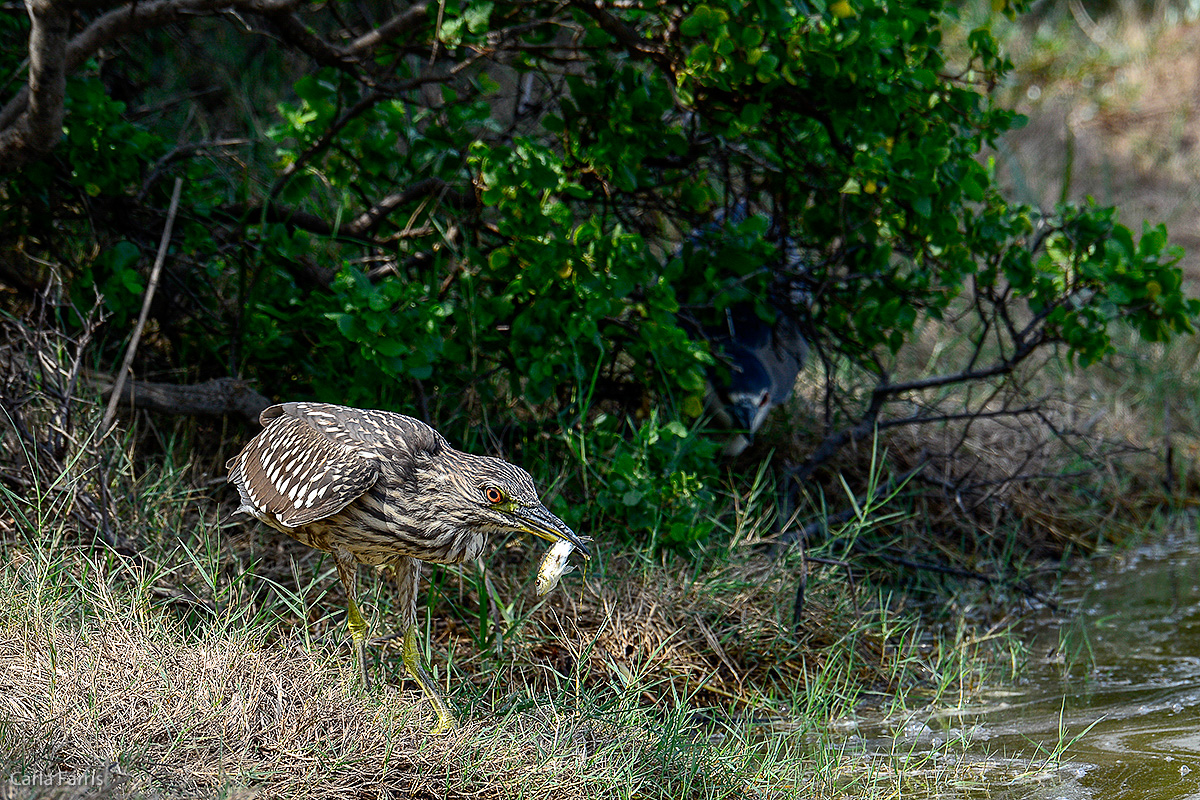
pixel 407 571
pixel 347 569
pixel 416 668
pixel 358 632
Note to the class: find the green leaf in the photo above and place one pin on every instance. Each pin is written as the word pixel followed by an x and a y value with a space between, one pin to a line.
pixel 389 348
pixel 477 16
pixel 692 26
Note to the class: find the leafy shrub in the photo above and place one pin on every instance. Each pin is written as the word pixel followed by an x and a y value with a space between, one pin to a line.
pixel 651 486
pixel 423 228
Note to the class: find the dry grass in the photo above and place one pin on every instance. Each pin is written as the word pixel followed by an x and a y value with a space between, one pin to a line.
pixel 190 715
pixel 109 666
pixel 100 675
pixel 188 657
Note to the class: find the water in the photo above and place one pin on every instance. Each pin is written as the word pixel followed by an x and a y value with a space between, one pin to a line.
pixel 1115 672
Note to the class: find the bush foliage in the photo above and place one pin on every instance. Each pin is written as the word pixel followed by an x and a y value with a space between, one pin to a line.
pixel 479 220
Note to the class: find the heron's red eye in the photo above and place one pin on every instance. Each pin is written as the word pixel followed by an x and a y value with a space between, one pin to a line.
pixel 493 494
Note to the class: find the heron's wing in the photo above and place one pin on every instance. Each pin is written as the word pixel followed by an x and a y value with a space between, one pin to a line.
pixel 784 358
pixel 386 434
pixel 297 473
pixel 399 445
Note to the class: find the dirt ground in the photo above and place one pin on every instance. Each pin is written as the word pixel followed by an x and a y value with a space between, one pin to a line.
pixel 1122 126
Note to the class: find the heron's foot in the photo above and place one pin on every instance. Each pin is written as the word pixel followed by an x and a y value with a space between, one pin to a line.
pixel 445 723
pixel 412 661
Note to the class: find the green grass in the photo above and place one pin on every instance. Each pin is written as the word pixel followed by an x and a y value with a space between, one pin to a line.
pixel 211 656
pixel 215 660
pixel 216 657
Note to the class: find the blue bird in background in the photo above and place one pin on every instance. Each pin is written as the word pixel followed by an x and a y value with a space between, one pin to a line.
pixel 756 369
pixel 757 361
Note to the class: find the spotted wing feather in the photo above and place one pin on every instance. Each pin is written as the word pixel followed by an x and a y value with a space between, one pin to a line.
pixel 384 432
pixel 294 472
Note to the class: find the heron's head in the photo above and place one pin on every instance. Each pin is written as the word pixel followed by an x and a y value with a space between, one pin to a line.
pixel 748 410
pixel 491 495
pixel 748 396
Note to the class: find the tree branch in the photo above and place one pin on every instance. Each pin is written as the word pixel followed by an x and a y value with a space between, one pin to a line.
pixel 626 36
pixel 362 227
pixel 408 20
pixel 371 219
pixel 885 391
pixel 216 397
pixel 31 122
pixel 39 128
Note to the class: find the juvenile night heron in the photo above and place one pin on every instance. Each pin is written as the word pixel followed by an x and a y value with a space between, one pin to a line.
pixel 761 361
pixel 377 488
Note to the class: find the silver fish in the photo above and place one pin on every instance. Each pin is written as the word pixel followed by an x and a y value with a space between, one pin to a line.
pixel 553 566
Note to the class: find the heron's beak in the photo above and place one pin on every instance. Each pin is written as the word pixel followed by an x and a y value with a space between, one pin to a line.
pixel 541 523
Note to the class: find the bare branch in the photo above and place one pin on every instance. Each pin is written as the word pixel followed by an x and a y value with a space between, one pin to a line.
pixel 292 217
pixel 111 412
pixel 1001 367
pixel 297 34
pixel 124 21
pixel 362 227
pixel 370 220
pixel 408 20
pixel 629 39
pixel 216 397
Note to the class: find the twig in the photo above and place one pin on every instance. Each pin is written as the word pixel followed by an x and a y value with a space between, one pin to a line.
pixel 403 22
pixel 61 419
pixel 956 572
pixel 111 411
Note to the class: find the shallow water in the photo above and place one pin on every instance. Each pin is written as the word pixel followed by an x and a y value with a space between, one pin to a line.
pixel 1116 671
